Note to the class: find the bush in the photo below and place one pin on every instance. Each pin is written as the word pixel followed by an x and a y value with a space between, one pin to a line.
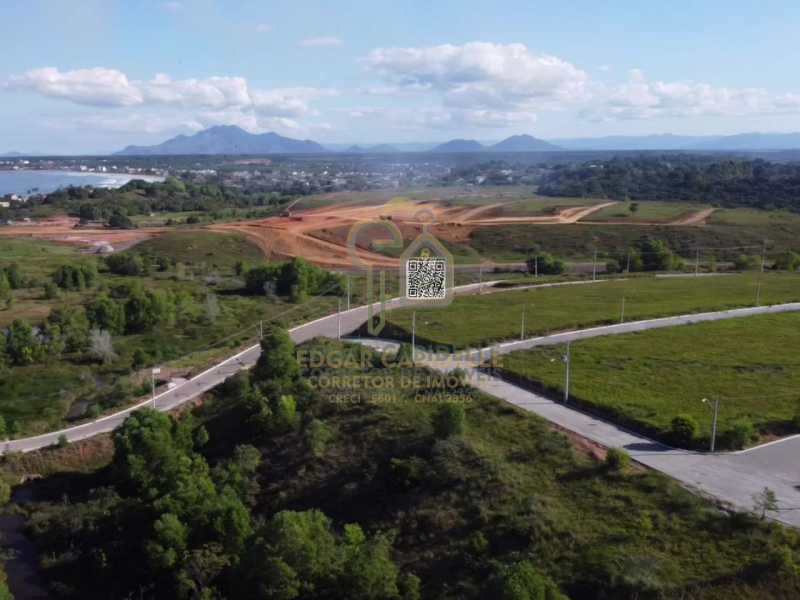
pixel 617 459
pixel 522 581
pixel 449 421
pixel 316 437
pixel 741 434
pixel 683 430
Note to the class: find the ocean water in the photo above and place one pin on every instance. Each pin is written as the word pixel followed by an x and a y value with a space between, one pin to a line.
pixel 25 183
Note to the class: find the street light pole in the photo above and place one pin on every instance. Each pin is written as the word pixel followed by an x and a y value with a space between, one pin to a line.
pixel 697 262
pixel 153 372
pixel 522 329
pixel 568 361
pixel 622 312
pixel 758 294
pixel 339 321
pixel 413 337
pixel 348 292
pixel 763 255
pixel 714 421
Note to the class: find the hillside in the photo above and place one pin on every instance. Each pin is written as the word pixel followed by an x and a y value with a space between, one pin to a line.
pixel 523 143
pixel 460 146
pixel 227 139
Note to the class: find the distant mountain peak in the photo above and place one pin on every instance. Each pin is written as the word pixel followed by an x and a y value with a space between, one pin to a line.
pixel 523 143
pixel 460 145
pixel 227 139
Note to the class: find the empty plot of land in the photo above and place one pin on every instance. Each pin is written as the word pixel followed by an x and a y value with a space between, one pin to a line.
pixel 495 317
pixel 645 379
pixel 644 213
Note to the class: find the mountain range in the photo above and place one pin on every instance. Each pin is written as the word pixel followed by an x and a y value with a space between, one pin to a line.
pixel 229 139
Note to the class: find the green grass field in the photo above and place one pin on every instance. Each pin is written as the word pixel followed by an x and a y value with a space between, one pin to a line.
pixel 579 240
pixel 480 320
pixel 540 205
pixel 661 212
pixel 644 379
pixel 748 217
pixel 201 247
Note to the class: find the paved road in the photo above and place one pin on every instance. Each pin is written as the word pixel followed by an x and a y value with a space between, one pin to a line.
pixel 731 477
pixel 328 326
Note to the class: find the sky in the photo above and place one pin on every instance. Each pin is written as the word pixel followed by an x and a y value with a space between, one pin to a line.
pixel 92 76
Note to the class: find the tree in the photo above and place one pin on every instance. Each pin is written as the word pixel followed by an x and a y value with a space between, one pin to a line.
pixel 107 314
pixel 119 220
pixel 74 327
pixel 449 420
pixel 744 262
pixel 51 291
pixel 545 264
pixel 277 361
pixel 101 346
pixel 5 290
pixel 22 347
pixel 788 261
pixel 683 430
pixel 764 502
pixel 633 207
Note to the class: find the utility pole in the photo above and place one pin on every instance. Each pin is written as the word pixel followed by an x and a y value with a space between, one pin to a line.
pixel 758 293
pixel 522 329
pixel 566 358
pixel 348 292
pixel 339 320
pixel 628 268
pixel 480 278
pixel 697 262
pixel 594 266
pixel 413 337
pixel 713 422
pixel 153 372
pixel 622 312
pixel 763 255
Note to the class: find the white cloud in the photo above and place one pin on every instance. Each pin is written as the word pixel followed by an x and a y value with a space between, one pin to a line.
pixel 641 98
pixel 321 41
pixel 112 88
pixel 482 75
pixel 94 87
pixel 173 6
pixel 264 28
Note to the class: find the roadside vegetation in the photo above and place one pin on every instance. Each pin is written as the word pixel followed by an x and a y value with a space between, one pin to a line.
pixel 654 381
pixel 81 332
pixel 275 490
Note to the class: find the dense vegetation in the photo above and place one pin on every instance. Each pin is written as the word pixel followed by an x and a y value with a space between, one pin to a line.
pixel 115 207
pixel 77 333
pixel 754 183
pixel 276 489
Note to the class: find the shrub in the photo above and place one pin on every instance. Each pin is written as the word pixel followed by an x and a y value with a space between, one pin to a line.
pixel 316 437
pixel 522 581
pixel 617 459
pixel 62 441
pixel 741 434
pixel 683 430
pixel 449 421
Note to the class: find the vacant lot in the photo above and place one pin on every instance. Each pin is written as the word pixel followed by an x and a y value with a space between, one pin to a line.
pixel 645 379
pixel 201 247
pixel 647 212
pixel 480 320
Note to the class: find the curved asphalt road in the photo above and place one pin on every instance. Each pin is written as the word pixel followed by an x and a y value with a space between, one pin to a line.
pixel 730 477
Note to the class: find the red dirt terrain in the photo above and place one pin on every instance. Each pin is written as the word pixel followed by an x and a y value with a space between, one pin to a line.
pixel 320 235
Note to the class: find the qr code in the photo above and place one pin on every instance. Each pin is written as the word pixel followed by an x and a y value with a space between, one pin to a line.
pixel 426 278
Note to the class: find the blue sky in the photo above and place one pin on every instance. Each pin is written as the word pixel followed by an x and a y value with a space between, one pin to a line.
pixel 92 76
